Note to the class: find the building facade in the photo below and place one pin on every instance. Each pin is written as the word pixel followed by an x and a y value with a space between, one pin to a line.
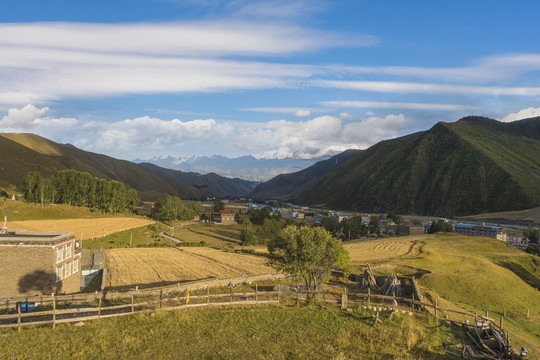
pixel 224 217
pixel 478 230
pixel 38 263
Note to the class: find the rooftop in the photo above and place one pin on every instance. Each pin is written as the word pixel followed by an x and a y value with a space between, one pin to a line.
pixel 12 237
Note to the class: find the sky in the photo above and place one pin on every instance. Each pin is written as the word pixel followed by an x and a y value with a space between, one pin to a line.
pixel 270 78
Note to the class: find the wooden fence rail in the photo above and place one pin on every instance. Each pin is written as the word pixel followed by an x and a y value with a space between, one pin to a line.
pixel 175 301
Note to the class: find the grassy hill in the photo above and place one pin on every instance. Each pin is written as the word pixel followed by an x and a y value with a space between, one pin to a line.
pixel 474 165
pixel 20 153
pixel 474 274
pixel 286 186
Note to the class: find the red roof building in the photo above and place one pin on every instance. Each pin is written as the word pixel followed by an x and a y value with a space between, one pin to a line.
pixel 224 217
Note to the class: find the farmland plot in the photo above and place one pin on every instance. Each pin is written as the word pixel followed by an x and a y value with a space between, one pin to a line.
pixel 162 266
pixel 372 250
pixel 90 228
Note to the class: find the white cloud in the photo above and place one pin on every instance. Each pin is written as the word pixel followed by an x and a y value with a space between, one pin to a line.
pixel 148 136
pixel 397 105
pixel 30 117
pixel 522 114
pixel 346 116
pixel 303 113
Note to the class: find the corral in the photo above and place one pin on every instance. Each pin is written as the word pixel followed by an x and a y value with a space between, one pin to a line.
pixel 145 267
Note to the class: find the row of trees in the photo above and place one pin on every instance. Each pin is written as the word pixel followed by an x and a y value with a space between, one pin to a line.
pixel 172 208
pixel 79 188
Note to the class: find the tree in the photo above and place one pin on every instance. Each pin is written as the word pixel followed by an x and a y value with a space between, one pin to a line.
pixel 353 228
pixel 30 185
pixel 308 253
pixel 132 199
pixel 269 230
pixel 373 226
pixel 246 234
pixel 218 206
pixel 440 226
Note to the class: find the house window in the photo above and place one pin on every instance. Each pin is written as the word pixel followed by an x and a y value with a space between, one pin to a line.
pixel 59 271
pixel 59 253
pixel 68 251
pixel 75 265
pixel 67 270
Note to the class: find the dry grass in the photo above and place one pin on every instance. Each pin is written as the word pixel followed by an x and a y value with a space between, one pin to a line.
pixel 372 250
pixel 90 228
pixel 130 267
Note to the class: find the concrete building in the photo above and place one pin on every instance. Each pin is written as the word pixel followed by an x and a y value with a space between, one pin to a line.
pixel 224 217
pixel 479 230
pixel 38 263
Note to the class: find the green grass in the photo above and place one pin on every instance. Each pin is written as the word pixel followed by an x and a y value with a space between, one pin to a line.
pixel 213 235
pixel 479 274
pixel 239 333
pixel 141 237
pixel 20 211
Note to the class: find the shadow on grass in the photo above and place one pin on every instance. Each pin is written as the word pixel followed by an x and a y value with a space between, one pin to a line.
pixel 523 273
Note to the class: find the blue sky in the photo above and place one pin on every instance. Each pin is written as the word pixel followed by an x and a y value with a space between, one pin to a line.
pixel 138 79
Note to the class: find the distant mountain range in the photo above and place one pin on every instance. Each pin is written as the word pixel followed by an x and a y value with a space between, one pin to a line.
pixel 244 167
pixel 471 166
pixel 287 186
pixel 20 153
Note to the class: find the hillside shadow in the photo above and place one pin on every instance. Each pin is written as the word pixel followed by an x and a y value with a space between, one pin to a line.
pixel 39 280
pixel 523 273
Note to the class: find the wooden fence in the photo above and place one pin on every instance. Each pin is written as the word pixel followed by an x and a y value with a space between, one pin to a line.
pixel 55 310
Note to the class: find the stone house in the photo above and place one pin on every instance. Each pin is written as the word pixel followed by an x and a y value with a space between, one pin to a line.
pixel 37 263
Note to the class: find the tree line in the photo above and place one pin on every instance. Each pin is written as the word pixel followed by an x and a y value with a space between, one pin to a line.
pixel 79 188
pixel 172 208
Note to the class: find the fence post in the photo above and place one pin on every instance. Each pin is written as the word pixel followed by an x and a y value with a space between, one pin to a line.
pixel 487 313
pixel 527 313
pixel 54 312
pixel 344 299
pixel 99 306
pixel 132 308
pixel 207 295
pixel 161 299
pixel 504 313
pixel 368 296
pixel 501 323
pixel 256 295
pixel 297 294
pixel 324 295
pixel 19 317
pixel 279 295
pixel 435 308
pixel 230 293
pixel 412 301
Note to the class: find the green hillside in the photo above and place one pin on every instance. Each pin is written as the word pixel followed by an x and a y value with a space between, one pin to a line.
pixel 472 166
pixel 20 153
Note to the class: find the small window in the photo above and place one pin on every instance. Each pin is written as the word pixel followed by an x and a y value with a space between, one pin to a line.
pixel 59 271
pixel 67 270
pixel 59 253
pixel 75 265
pixel 68 251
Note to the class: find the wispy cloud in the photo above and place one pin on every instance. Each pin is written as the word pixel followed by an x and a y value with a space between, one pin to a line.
pixel 396 105
pixel 429 88
pixel 298 111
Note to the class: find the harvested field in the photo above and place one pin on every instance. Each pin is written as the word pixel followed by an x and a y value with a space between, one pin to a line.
pixel 90 228
pixel 162 266
pixel 372 250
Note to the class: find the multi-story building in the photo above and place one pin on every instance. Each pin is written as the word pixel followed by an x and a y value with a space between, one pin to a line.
pixel 38 263
pixel 224 217
pixel 478 230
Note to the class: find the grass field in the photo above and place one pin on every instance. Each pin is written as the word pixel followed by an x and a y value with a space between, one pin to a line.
pixel 470 273
pixel 239 333
pixel 147 235
pixel 212 234
pixel 21 211
pixel 372 250
pixel 162 266
pixel 528 214
pixel 89 228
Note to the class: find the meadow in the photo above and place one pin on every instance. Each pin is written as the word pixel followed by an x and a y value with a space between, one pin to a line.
pixel 267 332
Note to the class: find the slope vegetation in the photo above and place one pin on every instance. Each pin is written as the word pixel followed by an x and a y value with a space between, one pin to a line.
pixel 474 165
pixel 23 152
